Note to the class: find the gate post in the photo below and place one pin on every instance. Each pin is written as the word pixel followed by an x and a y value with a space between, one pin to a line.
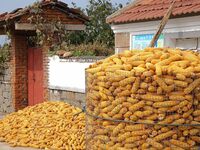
pixel 19 71
pixel 45 49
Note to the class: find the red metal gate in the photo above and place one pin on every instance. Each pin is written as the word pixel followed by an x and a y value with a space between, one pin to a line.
pixel 35 76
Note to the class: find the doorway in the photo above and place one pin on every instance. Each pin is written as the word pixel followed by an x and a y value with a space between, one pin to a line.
pixel 35 76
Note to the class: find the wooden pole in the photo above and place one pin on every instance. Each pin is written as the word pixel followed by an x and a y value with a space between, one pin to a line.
pixel 162 25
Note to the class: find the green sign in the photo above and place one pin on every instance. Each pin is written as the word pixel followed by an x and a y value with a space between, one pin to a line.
pixel 142 41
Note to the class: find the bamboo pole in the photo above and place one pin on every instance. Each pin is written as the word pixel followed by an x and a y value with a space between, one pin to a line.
pixel 162 25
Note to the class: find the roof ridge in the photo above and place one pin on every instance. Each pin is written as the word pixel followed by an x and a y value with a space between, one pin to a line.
pixel 43 3
pixel 177 5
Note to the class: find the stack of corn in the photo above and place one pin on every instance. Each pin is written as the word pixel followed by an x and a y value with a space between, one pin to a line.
pixel 50 125
pixel 156 88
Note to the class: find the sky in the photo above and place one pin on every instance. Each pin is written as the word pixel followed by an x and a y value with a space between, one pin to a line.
pixel 10 5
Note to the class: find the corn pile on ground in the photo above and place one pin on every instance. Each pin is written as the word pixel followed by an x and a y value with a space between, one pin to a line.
pixel 153 86
pixel 50 125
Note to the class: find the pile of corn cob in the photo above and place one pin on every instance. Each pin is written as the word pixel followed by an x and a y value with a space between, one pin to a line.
pixel 156 88
pixel 50 125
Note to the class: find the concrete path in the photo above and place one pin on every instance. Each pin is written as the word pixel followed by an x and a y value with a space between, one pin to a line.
pixel 1 115
pixel 4 146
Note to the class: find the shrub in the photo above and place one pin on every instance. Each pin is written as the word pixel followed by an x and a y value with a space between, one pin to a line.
pixel 4 55
pixel 95 49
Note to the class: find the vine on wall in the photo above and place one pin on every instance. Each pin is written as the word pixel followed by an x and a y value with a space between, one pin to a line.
pixel 52 32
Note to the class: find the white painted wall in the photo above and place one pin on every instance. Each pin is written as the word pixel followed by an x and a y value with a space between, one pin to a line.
pixel 179 32
pixel 188 43
pixel 184 40
pixel 178 25
pixel 67 75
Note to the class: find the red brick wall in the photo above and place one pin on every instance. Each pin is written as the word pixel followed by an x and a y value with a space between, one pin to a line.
pixel 122 41
pixel 54 15
pixel 19 75
pixel 45 49
pixel 19 68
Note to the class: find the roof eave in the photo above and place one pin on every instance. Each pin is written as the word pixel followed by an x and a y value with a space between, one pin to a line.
pixel 117 13
pixel 60 5
pixel 156 19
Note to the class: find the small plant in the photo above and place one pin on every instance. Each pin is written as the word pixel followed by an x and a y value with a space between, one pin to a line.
pixel 53 32
pixel 89 49
pixel 4 56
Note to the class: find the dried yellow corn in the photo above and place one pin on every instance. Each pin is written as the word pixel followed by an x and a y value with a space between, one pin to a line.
pixel 188 113
pixel 165 104
pixel 124 136
pixel 107 109
pixel 170 119
pixel 124 93
pixel 104 104
pixel 124 73
pixel 162 84
pixel 155 144
pixel 180 144
pixel 117 61
pixel 118 128
pixel 136 106
pixel 196 113
pixel 180 77
pixel 192 86
pixel 135 127
pixel 127 81
pixel 194 131
pixel 140 132
pixel 40 122
pixel 176 97
pixel 135 85
pixel 132 139
pixel 116 110
pixel 195 138
pixel 179 106
pixel 157 85
pixel 158 70
pixel 180 83
pixel 118 101
pixel 163 136
pixel 94 70
pixel 151 97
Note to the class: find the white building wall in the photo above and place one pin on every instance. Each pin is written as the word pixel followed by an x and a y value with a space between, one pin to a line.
pixel 183 40
pixel 179 25
pixel 180 32
pixel 189 43
pixel 68 76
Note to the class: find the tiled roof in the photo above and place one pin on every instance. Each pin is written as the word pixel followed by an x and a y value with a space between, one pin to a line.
pixel 56 4
pixel 148 10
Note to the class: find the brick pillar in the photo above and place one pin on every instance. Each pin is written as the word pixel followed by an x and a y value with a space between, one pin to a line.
pixel 19 75
pixel 122 42
pixel 45 50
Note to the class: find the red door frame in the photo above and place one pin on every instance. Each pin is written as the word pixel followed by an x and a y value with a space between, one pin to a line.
pixel 35 76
